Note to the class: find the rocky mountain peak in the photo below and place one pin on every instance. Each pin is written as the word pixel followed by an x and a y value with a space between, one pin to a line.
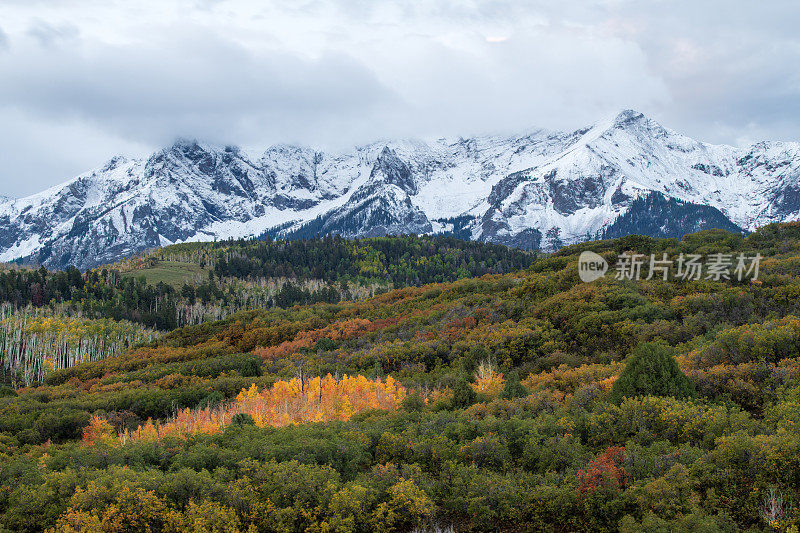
pixel 628 117
pixel 542 189
pixel 390 169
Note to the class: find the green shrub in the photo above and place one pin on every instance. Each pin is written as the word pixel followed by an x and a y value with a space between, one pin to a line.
pixel 514 387
pixel 463 395
pixel 413 402
pixel 242 419
pixel 651 370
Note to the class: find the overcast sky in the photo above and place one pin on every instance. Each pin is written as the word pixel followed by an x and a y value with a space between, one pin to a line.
pixel 81 81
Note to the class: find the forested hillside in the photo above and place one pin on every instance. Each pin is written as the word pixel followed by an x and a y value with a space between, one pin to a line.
pixel 513 401
pixel 64 317
pixel 189 283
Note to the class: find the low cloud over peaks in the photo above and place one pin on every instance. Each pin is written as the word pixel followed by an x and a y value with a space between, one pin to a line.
pixel 338 72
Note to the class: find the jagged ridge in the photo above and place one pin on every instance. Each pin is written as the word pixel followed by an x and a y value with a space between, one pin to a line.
pixel 539 189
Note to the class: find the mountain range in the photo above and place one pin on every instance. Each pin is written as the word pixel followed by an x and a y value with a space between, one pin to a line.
pixel 541 189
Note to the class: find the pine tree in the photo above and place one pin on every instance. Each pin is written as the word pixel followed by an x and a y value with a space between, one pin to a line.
pixel 651 370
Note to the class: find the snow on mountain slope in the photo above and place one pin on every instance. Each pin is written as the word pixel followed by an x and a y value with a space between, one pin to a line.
pixel 540 189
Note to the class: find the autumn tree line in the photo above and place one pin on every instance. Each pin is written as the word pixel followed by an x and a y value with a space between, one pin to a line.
pixel 236 275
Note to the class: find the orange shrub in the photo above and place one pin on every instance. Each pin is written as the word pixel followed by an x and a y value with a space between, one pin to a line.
pixel 568 379
pixel 604 472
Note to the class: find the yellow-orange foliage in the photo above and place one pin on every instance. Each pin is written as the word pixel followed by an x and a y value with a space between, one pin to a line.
pixel 99 429
pixel 283 349
pixel 287 402
pixel 341 330
pixel 344 329
pixel 488 380
pixel 569 379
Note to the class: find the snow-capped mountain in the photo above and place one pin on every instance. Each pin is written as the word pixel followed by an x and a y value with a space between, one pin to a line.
pixel 541 189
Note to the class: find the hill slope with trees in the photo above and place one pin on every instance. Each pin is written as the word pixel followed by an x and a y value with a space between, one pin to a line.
pixel 187 284
pixel 485 404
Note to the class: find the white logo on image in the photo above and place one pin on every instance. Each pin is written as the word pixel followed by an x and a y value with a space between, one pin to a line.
pixel 591 266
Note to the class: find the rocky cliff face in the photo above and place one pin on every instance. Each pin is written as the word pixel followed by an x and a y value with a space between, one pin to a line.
pixel 542 189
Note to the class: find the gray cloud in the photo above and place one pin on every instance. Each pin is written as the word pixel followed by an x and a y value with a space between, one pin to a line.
pixel 727 68
pixel 198 85
pixel 49 35
pixel 85 80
